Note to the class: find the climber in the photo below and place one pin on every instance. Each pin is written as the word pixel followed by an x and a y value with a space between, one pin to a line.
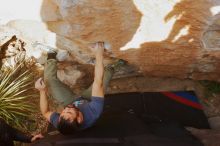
pixel 81 112
pixel 9 134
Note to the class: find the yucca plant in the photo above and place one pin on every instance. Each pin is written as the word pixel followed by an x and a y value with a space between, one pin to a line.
pixel 16 93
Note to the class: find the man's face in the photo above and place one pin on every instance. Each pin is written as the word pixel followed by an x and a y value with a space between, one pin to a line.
pixel 72 114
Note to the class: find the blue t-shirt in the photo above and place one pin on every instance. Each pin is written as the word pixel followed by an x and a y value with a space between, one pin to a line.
pixel 91 111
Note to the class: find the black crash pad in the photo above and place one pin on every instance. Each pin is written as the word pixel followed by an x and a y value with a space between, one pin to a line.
pixel 140 119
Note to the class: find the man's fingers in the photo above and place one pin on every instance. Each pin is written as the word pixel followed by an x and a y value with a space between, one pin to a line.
pixel 100 44
pixel 39 79
pixel 37 137
pixel 43 84
pixel 40 136
pixel 40 83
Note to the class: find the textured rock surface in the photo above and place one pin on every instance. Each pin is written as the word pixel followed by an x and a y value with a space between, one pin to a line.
pixel 165 38
pixel 214 123
pixel 69 75
pixel 207 136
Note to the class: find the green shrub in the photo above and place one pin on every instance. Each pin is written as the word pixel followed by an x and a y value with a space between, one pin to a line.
pixel 16 92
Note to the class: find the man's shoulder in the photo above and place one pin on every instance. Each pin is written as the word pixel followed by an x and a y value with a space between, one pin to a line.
pixel 97 98
pixel 54 119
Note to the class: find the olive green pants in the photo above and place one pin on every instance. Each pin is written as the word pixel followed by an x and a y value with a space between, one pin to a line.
pixel 61 92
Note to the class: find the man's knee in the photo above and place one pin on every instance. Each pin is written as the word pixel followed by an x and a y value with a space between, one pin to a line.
pixel 49 80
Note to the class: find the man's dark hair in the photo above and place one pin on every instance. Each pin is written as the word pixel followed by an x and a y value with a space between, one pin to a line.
pixel 66 127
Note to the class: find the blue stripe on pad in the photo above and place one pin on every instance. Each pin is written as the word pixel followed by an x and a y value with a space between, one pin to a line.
pixel 187 95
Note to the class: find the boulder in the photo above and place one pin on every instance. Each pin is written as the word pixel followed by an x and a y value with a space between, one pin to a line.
pixel 163 38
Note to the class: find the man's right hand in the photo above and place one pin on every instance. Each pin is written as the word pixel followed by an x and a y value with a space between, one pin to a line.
pixel 37 137
pixel 40 85
pixel 98 47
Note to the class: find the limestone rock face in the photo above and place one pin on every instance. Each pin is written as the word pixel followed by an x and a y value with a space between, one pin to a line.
pixel 69 75
pixel 165 38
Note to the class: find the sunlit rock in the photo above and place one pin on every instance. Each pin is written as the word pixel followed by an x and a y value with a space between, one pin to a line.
pixel 164 38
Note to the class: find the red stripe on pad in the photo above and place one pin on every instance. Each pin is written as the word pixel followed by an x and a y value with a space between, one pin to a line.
pixel 182 100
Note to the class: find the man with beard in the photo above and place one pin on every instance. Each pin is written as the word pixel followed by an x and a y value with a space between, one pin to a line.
pixel 81 112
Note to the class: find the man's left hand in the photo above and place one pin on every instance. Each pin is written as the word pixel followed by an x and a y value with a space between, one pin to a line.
pixel 40 85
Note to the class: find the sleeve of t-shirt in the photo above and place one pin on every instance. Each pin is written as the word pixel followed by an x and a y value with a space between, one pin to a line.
pixel 96 105
pixel 54 118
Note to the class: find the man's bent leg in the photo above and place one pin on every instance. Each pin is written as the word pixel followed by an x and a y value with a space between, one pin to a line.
pixel 109 71
pixel 59 91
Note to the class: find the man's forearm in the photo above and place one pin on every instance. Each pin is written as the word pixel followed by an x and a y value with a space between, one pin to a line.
pixel 99 68
pixel 43 102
